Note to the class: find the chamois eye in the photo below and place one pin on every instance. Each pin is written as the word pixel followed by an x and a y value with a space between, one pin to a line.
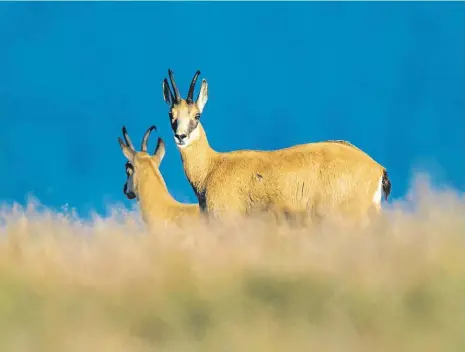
pixel 197 116
pixel 170 115
pixel 129 169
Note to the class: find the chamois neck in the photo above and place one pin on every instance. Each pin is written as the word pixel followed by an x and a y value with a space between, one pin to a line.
pixel 154 197
pixel 198 159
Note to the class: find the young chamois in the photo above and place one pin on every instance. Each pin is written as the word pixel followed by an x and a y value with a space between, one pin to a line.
pixel 145 182
pixel 316 179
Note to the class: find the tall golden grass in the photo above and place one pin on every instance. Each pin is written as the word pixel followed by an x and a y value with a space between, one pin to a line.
pixel 110 285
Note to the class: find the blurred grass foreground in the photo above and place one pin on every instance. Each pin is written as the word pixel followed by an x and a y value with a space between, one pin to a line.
pixel 109 285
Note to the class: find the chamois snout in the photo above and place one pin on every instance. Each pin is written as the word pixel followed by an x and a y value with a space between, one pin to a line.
pixel 130 194
pixel 184 128
pixel 128 188
pixel 180 138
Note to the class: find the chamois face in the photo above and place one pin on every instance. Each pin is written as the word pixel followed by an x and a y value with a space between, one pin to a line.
pixel 129 188
pixel 137 161
pixel 185 114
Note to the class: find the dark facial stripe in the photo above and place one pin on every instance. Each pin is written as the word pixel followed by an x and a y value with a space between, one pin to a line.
pixel 192 126
pixel 174 125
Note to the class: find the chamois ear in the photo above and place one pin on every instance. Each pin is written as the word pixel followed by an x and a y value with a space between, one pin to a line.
pixel 203 95
pixel 167 95
pixel 128 152
pixel 159 151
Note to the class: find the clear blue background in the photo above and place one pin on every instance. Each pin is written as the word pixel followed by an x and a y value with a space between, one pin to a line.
pixel 389 77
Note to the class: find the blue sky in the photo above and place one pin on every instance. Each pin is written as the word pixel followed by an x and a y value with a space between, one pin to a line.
pixel 389 77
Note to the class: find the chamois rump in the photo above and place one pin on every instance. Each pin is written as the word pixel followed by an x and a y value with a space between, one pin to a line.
pixel 318 179
pixel 145 182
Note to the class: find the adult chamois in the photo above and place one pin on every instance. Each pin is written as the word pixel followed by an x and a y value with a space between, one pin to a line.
pixel 316 179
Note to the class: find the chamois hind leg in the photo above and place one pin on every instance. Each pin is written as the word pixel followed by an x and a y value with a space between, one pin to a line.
pixel 376 200
pixel 351 217
pixel 370 211
pixel 375 209
pixel 368 215
pixel 378 217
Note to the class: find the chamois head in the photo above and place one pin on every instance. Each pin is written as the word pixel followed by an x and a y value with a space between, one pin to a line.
pixel 185 113
pixel 137 160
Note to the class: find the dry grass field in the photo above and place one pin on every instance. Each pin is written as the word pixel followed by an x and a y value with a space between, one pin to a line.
pixel 109 285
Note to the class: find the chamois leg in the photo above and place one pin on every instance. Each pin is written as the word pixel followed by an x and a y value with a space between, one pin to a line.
pixel 225 211
pixel 292 218
pixel 368 217
pixel 376 200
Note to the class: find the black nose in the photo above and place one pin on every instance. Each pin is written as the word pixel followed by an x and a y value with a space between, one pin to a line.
pixel 130 195
pixel 180 137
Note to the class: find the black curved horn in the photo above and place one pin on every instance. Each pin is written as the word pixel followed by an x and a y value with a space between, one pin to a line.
pixel 146 137
pixel 168 90
pixel 177 96
pixel 127 139
pixel 190 95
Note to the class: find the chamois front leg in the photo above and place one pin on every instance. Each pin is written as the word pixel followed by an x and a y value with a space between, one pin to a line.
pixel 225 208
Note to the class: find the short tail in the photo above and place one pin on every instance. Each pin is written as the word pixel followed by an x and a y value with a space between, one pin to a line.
pixel 386 185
